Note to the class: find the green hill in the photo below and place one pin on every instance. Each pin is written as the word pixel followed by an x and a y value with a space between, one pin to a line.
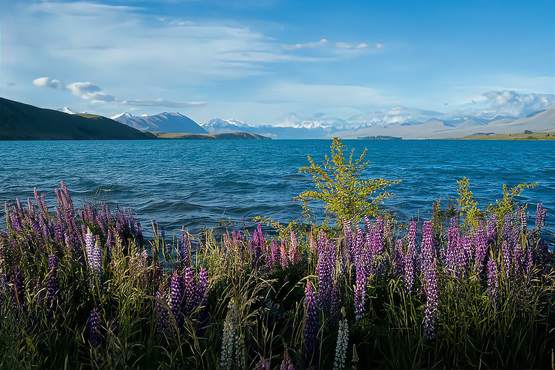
pixel 20 121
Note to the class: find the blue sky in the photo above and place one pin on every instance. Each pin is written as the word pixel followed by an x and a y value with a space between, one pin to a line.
pixel 260 61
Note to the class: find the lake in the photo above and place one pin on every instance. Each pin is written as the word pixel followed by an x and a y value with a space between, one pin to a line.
pixel 209 183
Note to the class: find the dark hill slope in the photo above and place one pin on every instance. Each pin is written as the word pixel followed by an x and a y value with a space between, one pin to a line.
pixel 20 121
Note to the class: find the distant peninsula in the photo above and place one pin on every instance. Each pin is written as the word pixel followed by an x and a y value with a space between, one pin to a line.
pixel 526 135
pixel 379 137
pixel 221 136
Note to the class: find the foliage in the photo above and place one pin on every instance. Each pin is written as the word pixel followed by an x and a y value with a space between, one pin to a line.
pixel 339 185
pixel 506 205
pixel 468 205
pixel 472 214
pixel 82 288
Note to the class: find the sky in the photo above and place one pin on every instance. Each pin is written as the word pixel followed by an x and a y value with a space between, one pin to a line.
pixel 262 61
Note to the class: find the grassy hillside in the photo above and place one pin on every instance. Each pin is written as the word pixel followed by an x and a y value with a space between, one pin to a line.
pixel 222 136
pixel 20 121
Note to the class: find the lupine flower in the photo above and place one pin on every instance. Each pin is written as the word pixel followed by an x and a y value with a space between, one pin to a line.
pixel 360 290
pixel 324 270
pixel 529 261
pixel 523 217
pixel 493 283
pixel 190 290
pixel 283 255
pixel 311 324
pixel 202 286
pixel 52 285
pixel 432 298
pixel 341 345
pixel 272 254
pixel 161 311
pixel 293 249
pixel 286 363
pixel 263 364
pixel 480 239
pixel 540 216
pixel 462 257
pixel 492 228
pixel 427 251
pixel 94 253
pixel 18 287
pixel 408 263
pixel 93 325
pixel 506 258
pixel 176 296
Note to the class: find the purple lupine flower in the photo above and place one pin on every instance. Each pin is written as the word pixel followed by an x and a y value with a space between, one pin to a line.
pixel 284 262
pixel 399 257
pixel 311 324
pixel 273 255
pixel 176 296
pixel 426 250
pixel 293 248
pixel 93 325
pixel 492 228
pixel 52 285
pixel 324 270
pixel 432 298
pixel 360 290
pixel 263 364
pixel 506 258
pixel 462 257
pixel 202 287
pixel 529 261
pixel 94 253
pixel 358 245
pixel 517 258
pixel 493 283
pixel 190 290
pixel 480 239
pixel 540 216
pixel 286 363
pixel 161 311
pixel 523 215
pixel 185 248
pixel 18 287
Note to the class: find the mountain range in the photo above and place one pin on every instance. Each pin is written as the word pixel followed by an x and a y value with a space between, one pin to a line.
pixel 501 112
pixel 162 122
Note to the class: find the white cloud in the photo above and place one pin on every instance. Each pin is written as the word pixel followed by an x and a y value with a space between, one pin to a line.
pixel 48 82
pixel 346 45
pixel 95 94
pixel 307 45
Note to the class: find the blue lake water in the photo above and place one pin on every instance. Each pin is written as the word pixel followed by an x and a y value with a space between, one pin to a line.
pixel 204 183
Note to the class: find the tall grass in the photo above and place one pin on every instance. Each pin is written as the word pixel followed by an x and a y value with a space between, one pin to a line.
pixel 82 288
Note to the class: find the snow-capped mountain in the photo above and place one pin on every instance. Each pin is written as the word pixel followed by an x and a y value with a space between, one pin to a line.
pixel 162 122
pixel 67 110
pixel 225 125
